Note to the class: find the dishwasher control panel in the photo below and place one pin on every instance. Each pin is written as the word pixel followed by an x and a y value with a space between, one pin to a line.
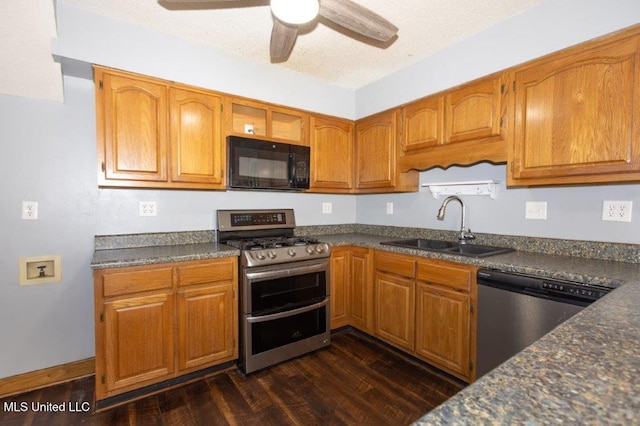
pixel 579 290
pixel 550 288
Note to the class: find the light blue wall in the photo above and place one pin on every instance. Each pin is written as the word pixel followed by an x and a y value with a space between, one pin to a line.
pixel 48 155
pixel 572 213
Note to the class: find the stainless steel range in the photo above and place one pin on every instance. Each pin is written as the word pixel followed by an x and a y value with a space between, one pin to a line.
pixel 284 288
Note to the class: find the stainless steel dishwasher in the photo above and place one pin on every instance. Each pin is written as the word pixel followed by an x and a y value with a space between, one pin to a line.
pixel 515 310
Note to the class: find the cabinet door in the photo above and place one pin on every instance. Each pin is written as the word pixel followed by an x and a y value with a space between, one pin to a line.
pixel 340 273
pixel 475 111
pixel 197 149
pixel 361 294
pixel 252 118
pixel 331 154
pixel 207 312
pixel 138 340
pixel 395 309
pixel 132 128
pixel 376 139
pixel 207 321
pixel 576 116
pixel 422 124
pixel 443 327
pixel 289 125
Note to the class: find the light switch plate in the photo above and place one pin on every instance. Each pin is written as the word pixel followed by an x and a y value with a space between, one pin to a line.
pixel 389 208
pixel 536 210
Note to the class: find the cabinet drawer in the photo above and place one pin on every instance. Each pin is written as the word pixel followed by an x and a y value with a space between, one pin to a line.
pixel 395 264
pixel 447 274
pixel 131 281
pixel 218 270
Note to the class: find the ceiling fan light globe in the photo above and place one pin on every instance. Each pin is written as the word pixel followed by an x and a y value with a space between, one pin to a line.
pixel 295 12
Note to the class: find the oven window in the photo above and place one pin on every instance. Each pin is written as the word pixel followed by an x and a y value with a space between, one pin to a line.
pixel 287 293
pixel 272 334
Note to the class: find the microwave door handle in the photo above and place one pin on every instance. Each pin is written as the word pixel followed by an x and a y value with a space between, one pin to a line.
pixel 292 169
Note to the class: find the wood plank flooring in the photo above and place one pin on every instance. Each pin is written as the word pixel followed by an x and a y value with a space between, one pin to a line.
pixel 356 381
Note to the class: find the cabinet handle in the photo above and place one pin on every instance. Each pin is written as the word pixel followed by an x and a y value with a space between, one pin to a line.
pixel 103 167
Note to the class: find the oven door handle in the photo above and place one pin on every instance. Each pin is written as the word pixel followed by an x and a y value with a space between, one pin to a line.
pixel 279 315
pixel 291 272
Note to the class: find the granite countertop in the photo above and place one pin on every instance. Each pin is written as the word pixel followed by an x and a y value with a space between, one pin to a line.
pixel 116 251
pixel 138 256
pixel 585 371
pixel 607 273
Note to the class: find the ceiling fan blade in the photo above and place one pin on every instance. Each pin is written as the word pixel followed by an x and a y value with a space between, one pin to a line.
pixel 357 19
pixel 196 1
pixel 283 37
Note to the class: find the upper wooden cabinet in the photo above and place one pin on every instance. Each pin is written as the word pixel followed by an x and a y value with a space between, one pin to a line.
pixel 331 142
pixel 155 134
pixel 197 149
pixel 476 111
pixel 377 150
pixel 423 124
pixel 257 119
pixel 131 128
pixel 577 115
pixel 461 126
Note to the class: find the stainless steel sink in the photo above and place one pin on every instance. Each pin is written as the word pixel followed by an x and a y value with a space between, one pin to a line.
pixel 470 250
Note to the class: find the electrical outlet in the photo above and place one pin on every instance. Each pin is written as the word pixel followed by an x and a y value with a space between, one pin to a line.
pixel 147 208
pixel 327 208
pixel 617 211
pixel 535 210
pixel 30 210
pixel 390 208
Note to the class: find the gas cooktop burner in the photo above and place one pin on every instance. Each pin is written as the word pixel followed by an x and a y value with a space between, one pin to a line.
pixel 265 237
pixel 268 243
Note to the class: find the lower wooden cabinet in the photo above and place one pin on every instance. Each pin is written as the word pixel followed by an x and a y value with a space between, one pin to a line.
pixel 351 288
pixel 138 340
pixel 394 309
pixel 206 295
pixel 442 327
pixel 157 322
pixel 425 307
pixel 361 289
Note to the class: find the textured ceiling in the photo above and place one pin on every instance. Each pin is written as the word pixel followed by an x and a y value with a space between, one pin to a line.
pixel 243 28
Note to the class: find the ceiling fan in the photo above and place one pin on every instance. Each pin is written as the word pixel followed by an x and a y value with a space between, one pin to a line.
pixel 288 14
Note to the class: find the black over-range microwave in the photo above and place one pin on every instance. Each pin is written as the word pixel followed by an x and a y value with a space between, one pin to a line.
pixel 260 164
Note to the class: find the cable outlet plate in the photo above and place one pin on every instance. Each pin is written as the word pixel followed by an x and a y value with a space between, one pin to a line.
pixel 617 211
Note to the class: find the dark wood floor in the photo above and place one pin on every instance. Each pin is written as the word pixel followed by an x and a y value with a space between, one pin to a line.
pixel 356 381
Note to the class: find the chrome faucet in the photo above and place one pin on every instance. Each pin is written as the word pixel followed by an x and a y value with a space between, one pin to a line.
pixel 465 234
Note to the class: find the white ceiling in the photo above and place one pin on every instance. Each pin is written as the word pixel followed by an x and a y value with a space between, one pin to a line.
pixel 243 28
